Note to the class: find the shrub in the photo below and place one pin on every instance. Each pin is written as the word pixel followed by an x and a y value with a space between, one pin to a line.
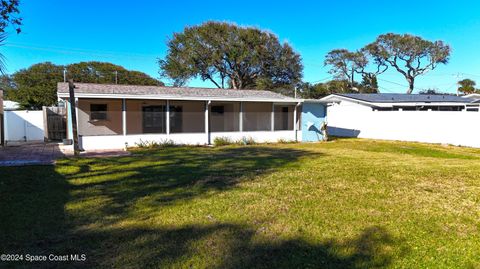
pixel 222 141
pixel 155 144
pixel 246 141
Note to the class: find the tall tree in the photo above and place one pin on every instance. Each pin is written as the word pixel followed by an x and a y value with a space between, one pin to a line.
pixel 8 16
pixel 467 86
pixel 410 55
pixel 36 86
pixel 343 64
pixel 231 56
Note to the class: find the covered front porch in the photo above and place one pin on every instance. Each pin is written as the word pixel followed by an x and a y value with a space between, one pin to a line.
pixel 115 123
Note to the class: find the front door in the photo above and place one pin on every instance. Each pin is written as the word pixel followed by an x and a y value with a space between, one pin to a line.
pixel 153 119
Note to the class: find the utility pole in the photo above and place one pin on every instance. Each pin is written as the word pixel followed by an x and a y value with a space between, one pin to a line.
pixel 116 77
pixel 73 117
pixel 64 75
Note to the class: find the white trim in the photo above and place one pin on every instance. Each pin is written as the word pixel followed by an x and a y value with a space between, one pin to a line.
pixel 167 118
pixel 124 116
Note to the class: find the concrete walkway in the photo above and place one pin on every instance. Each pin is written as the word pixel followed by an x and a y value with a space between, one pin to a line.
pixel 30 154
pixel 45 154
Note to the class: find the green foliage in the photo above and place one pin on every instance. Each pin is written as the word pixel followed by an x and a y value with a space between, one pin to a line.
pixel 410 55
pixel 467 86
pixel 8 15
pixel 231 56
pixel 246 141
pixel 222 141
pixel 319 90
pixel 108 73
pixel 36 86
pixel 429 91
pixel 147 144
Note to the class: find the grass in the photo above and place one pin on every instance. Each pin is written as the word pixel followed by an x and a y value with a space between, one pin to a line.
pixel 349 203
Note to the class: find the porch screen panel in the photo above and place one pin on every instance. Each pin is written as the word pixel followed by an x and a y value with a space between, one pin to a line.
pixel 283 117
pixel 146 116
pixel 187 116
pixel 257 116
pixel 92 121
pixel 224 116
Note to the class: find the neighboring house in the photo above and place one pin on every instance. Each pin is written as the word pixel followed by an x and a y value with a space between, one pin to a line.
pixel 409 117
pixel 2 134
pixel 115 116
pixel 10 105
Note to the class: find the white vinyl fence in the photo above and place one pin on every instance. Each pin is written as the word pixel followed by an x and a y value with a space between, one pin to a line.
pixel 24 125
pixel 447 127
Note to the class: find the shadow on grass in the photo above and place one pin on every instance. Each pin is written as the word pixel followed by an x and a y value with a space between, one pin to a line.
pixel 235 246
pixel 170 175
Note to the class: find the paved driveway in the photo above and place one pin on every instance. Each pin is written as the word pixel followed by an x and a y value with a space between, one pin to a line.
pixel 30 154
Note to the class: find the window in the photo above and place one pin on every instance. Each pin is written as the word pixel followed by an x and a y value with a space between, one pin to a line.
pixel 176 120
pixel 98 112
pixel 218 109
pixel 284 118
pixel 154 119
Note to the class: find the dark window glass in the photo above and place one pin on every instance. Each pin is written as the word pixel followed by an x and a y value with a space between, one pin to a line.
pixel 176 119
pixel 218 109
pixel 98 111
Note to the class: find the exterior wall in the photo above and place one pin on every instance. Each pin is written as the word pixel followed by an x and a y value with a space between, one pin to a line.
pixel 24 125
pixel 111 126
pixel 313 116
pixel 118 141
pixel 449 127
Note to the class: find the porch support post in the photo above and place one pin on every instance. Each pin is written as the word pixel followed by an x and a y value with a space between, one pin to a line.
pixel 207 121
pixel 124 116
pixel 272 118
pixel 167 118
pixel 240 119
pixel 295 120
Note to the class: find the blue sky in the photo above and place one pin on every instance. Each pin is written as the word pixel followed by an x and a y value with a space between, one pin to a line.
pixel 133 33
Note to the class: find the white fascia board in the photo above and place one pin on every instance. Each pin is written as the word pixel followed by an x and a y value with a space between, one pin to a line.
pixel 178 98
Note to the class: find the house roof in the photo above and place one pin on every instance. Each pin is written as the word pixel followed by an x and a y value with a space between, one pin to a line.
pixel 405 98
pixel 388 99
pixel 90 90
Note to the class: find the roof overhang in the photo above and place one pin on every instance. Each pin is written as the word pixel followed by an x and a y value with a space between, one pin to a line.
pixel 333 98
pixel 177 98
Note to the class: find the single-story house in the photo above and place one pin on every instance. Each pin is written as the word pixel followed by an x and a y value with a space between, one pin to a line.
pixel 10 105
pixel 427 118
pixel 115 116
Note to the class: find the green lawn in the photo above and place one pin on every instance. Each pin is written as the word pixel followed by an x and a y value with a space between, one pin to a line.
pixel 343 204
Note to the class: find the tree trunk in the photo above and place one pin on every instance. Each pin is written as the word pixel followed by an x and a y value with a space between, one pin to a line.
pixel 411 82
